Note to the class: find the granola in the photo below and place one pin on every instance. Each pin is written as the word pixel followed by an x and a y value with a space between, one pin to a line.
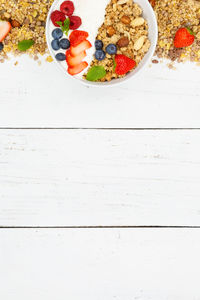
pixel 172 15
pixel 125 27
pixel 28 19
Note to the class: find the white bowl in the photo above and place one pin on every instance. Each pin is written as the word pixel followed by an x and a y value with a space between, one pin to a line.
pixel 148 14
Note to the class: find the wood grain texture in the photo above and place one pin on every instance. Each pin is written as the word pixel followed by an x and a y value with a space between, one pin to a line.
pixel 100 264
pixel 99 178
pixel 32 96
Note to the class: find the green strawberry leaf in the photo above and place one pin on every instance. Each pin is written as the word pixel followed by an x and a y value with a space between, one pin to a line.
pixel 25 45
pixel 96 73
pixel 64 26
pixel 190 31
pixel 114 65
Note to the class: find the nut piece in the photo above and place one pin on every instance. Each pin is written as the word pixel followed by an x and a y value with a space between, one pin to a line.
pixel 15 23
pixel 127 34
pixel 126 20
pixel 139 43
pixel 26 21
pixel 121 2
pixel 110 31
pixel 137 22
pixel 155 61
pixel 123 42
pixel 7 15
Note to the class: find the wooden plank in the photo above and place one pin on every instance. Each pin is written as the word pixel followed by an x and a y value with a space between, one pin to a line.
pixel 99 177
pixel 32 96
pixel 100 264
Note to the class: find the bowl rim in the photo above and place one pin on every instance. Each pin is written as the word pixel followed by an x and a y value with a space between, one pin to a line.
pixel 114 82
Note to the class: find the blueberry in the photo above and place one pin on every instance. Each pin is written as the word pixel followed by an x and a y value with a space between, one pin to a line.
pixel 98 44
pixel 111 49
pixel 100 54
pixel 57 33
pixel 1 46
pixel 64 44
pixel 55 45
pixel 60 56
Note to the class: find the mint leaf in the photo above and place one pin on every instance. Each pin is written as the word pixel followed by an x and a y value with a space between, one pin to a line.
pixel 96 73
pixel 59 23
pixel 25 45
pixel 64 26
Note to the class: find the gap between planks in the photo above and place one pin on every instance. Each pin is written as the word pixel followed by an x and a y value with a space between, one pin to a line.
pixel 100 227
pixel 98 128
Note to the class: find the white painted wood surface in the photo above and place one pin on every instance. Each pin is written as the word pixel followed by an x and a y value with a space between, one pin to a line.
pixel 99 177
pixel 100 264
pixel 92 177
pixel 32 96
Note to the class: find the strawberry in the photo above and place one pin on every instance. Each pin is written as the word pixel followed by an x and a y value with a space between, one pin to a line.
pixel 184 37
pixel 77 36
pixel 57 16
pixel 152 2
pixel 72 61
pixel 123 64
pixel 5 28
pixel 83 46
pixel 78 68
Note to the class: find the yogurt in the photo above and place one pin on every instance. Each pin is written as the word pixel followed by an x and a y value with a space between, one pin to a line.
pixel 92 15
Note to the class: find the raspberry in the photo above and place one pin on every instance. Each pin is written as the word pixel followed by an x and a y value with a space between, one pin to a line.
pixel 57 16
pixel 67 7
pixel 75 22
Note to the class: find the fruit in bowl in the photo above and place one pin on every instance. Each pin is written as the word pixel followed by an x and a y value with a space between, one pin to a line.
pixel 103 42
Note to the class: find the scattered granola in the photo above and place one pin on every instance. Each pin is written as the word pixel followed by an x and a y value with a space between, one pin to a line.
pixel 171 16
pixel 28 19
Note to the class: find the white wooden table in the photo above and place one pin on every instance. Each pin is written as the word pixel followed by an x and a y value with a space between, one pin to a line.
pixel 99 188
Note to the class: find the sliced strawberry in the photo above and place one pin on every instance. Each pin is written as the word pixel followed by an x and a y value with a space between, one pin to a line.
pixel 72 61
pixel 74 51
pixel 67 7
pixel 57 16
pixel 75 22
pixel 77 36
pixel 78 68
pixel 5 28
